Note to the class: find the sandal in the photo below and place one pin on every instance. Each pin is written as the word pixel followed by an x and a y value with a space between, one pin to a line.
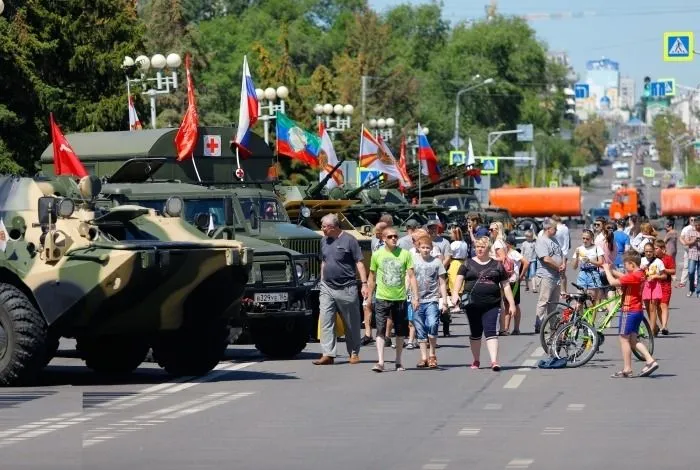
pixel 422 364
pixel 495 367
pixel 648 369
pixel 432 362
pixel 621 374
pixel 399 368
pixel 515 332
pixel 378 367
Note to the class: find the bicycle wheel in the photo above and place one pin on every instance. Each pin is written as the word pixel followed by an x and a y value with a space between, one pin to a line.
pixel 645 337
pixel 552 322
pixel 577 342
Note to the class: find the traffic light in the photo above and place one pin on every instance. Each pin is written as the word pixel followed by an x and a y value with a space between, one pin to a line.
pixel 647 87
pixel 646 94
pixel 569 104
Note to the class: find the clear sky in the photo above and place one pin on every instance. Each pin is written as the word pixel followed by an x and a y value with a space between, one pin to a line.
pixel 627 31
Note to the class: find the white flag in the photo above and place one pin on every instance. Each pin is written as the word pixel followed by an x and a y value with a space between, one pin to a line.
pixel 471 161
pixel 134 123
pixel 327 159
pixel 3 236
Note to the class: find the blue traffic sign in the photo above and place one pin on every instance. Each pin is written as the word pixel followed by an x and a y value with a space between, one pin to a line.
pixel 658 89
pixel 581 90
pixel 489 166
pixel 678 46
pixel 669 86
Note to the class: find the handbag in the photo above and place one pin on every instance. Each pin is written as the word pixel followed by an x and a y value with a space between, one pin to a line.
pixel 467 296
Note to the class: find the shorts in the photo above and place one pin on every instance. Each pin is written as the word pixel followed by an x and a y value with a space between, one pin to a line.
pixel 516 293
pixel 483 320
pixel 426 320
pixel 651 290
pixel 532 270
pixel 589 279
pixel 666 289
pixel 630 322
pixel 396 309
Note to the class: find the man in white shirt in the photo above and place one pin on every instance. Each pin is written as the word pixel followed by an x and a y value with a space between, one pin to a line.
pixel 563 238
pixel 683 238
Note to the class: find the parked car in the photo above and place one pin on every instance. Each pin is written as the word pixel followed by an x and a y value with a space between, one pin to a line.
pixel 656 183
pixel 605 204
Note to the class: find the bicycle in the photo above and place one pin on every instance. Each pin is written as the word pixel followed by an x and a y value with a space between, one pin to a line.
pixel 575 339
pixel 589 313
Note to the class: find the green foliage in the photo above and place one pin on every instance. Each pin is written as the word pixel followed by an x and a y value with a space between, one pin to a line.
pixel 68 58
pixel 664 128
pixel 64 59
pixel 590 139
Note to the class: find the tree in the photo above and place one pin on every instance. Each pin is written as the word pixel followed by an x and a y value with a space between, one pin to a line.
pixel 65 60
pixel 591 138
pixel 666 127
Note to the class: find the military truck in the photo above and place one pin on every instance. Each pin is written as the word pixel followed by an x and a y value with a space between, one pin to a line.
pixel 276 315
pixel 119 281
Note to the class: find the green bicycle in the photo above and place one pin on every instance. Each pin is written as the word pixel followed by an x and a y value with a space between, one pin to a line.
pixel 582 304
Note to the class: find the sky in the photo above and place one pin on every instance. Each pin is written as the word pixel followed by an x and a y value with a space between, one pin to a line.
pixel 627 31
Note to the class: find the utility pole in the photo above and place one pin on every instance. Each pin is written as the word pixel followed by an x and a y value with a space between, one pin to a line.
pixel 364 97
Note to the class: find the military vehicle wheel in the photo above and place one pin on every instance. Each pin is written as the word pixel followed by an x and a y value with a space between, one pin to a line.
pixel 112 354
pixel 193 349
pixel 23 333
pixel 280 338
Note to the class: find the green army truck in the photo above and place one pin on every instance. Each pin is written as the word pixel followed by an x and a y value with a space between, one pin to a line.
pixel 121 282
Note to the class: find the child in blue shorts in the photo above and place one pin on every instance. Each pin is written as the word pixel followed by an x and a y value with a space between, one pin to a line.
pixel 632 314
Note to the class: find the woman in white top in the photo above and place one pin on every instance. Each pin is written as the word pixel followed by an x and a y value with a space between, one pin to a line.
pixel 588 258
pixel 460 252
pixel 498 244
pixel 646 235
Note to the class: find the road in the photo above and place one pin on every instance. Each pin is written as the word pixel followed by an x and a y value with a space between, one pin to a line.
pixel 256 414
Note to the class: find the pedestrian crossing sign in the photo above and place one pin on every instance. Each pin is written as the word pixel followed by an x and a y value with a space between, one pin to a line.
pixel 679 46
pixel 489 166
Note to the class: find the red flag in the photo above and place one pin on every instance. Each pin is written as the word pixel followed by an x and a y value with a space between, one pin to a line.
pixel 65 161
pixel 188 133
pixel 402 163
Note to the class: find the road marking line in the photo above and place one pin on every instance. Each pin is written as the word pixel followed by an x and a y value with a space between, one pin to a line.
pixel 469 431
pixel 435 466
pixel 575 407
pixel 515 381
pixel 493 406
pixel 19 433
pixel 538 352
pixel 551 431
pixel 528 364
pixel 520 463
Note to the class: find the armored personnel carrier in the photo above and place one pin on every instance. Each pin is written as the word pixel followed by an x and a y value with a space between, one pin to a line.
pixel 114 280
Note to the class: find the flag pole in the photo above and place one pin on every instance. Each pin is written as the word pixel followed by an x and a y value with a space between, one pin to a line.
pixel 195 168
pixel 420 166
pixel 238 160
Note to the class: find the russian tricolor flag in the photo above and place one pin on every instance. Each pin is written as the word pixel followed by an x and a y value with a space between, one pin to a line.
pixel 427 157
pixel 248 114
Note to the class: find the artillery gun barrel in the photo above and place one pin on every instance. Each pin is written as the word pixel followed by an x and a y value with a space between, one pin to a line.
pixel 315 190
pixel 354 192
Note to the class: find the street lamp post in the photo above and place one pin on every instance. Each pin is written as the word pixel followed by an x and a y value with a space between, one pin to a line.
pixel 455 139
pixel 2 7
pixel 336 118
pixel 165 83
pixel 382 127
pixel 267 108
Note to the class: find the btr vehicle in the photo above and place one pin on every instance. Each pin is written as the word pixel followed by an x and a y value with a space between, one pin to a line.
pixel 120 281
pixel 276 311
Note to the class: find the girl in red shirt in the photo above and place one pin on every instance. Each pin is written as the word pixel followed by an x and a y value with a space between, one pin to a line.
pixel 666 282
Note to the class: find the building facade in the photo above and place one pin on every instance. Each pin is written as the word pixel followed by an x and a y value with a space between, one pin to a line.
pixel 627 93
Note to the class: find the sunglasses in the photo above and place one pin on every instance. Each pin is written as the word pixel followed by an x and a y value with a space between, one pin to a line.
pixel 391 237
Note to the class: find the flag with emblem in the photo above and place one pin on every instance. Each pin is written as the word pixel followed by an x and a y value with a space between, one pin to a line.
pixel 295 142
pixel 327 159
pixel 402 164
pixel 65 161
pixel 212 145
pixel 375 155
pixel 134 123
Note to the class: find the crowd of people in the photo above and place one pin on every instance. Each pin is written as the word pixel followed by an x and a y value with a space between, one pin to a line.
pixel 416 282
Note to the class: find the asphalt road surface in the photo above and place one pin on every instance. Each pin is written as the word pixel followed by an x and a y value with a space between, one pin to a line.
pixel 289 415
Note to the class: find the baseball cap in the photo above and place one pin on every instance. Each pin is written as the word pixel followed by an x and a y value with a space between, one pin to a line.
pixel 412 224
pixel 511 240
pixel 432 222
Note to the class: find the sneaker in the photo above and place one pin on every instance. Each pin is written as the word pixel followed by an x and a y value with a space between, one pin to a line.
pixel 664 331
pixel 387 342
pixel 495 366
pixel 366 340
pixel 475 365
pixel 410 346
pixel 689 294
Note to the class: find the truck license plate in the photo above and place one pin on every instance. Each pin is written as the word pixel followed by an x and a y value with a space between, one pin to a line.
pixel 272 297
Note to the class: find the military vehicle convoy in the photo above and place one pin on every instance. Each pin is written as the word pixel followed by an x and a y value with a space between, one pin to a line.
pixel 276 313
pixel 119 281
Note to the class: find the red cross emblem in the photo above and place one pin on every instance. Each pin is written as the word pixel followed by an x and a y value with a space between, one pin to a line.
pixel 212 145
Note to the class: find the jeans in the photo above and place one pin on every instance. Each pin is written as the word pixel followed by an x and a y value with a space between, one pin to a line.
pixel 426 320
pixel 532 270
pixel 693 271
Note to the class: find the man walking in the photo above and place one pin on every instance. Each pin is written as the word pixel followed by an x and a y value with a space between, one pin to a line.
pixel 684 241
pixel 441 246
pixel 341 262
pixel 406 242
pixel 564 240
pixel 390 268
pixel 551 264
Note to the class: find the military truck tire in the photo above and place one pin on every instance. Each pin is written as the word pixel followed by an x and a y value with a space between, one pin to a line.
pixel 112 354
pixel 193 349
pixel 280 338
pixel 22 339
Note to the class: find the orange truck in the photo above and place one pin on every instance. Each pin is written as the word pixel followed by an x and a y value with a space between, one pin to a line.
pixel 530 204
pixel 680 202
pixel 538 202
pixel 625 202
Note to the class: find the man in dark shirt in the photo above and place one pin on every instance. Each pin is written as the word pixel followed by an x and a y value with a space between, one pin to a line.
pixel 341 262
